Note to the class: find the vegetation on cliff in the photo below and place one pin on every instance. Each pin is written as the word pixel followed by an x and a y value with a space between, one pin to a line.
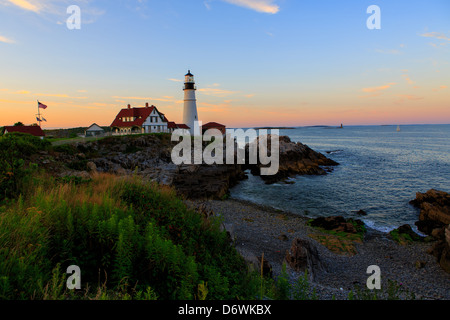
pixel 130 238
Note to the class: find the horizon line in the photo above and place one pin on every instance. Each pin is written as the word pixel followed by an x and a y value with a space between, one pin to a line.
pixel 285 126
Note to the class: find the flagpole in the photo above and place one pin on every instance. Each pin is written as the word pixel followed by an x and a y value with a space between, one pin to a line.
pixel 39 115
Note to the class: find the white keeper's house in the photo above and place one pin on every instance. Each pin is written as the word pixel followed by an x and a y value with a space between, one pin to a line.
pixel 141 120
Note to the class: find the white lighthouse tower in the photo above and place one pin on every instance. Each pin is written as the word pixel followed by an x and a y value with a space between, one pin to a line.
pixel 190 116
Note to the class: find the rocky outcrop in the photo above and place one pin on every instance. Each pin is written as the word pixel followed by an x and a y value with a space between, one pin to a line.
pixel 405 234
pixel 294 159
pixel 206 181
pixel 444 261
pixel 434 220
pixel 303 255
pixel 149 156
pixel 338 224
pixel 434 208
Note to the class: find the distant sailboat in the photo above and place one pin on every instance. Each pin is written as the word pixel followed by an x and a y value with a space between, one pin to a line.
pixel 398 128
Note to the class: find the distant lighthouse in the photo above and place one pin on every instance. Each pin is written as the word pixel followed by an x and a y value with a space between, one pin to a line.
pixel 190 116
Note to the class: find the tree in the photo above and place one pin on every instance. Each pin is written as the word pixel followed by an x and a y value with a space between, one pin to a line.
pixel 19 123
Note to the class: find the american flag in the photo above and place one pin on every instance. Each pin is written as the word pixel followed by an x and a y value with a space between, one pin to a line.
pixel 41 105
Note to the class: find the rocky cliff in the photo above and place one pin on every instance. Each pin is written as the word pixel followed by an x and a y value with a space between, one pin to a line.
pixel 150 157
pixel 434 220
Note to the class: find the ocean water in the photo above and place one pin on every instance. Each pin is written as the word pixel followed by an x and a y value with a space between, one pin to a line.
pixel 380 171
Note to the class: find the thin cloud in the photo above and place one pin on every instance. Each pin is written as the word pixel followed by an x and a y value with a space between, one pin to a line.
pixel 216 92
pixel 142 98
pixel 436 35
pixel 380 88
pixel 6 40
pixel 26 5
pixel 440 88
pixel 263 6
pixel 58 95
pixel 56 8
pixel 389 51
pixel 410 97
pixel 22 92
pixel 206 107
pixel 175 80
pixel 408 79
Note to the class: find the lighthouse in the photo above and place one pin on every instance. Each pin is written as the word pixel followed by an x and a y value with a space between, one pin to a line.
pixel 190 116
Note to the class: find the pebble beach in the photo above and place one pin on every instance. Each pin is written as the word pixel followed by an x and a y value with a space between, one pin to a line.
pixel 258 230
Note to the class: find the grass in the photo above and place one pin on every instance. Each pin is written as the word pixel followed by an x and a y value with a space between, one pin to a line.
pixel 339 242
pixel 64 141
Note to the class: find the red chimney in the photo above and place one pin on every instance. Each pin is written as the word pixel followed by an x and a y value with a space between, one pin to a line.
pixel 129 106
pixel 146 104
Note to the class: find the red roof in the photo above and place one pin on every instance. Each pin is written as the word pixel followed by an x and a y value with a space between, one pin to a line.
pixel 171 125
pixel 213 125
pixel 33 130
pixel 139 114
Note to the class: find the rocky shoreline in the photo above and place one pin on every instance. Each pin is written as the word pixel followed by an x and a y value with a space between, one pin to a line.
pixel 150 157
pixel 336 264
pixel 259 230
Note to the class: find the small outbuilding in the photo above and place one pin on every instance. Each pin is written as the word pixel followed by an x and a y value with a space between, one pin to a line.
pixel 94 131
pixel 214 125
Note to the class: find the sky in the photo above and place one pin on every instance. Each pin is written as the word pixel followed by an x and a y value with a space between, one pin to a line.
pixel 256 62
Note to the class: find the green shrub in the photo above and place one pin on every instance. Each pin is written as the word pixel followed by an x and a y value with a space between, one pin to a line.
pixel 130 239
pixel 15 148
pixel 65 148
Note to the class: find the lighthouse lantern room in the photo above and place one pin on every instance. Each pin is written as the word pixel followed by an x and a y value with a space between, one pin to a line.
pixel 190 115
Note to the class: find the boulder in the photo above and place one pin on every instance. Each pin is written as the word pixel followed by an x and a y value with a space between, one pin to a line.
pixel 405 234
pixel 207 181
pixel 265 268
pixel 361 213
pixel 434 220
pixel 434 208
pixel 303 255
pixel 254 263
pixel 338 224
pixel 91 166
